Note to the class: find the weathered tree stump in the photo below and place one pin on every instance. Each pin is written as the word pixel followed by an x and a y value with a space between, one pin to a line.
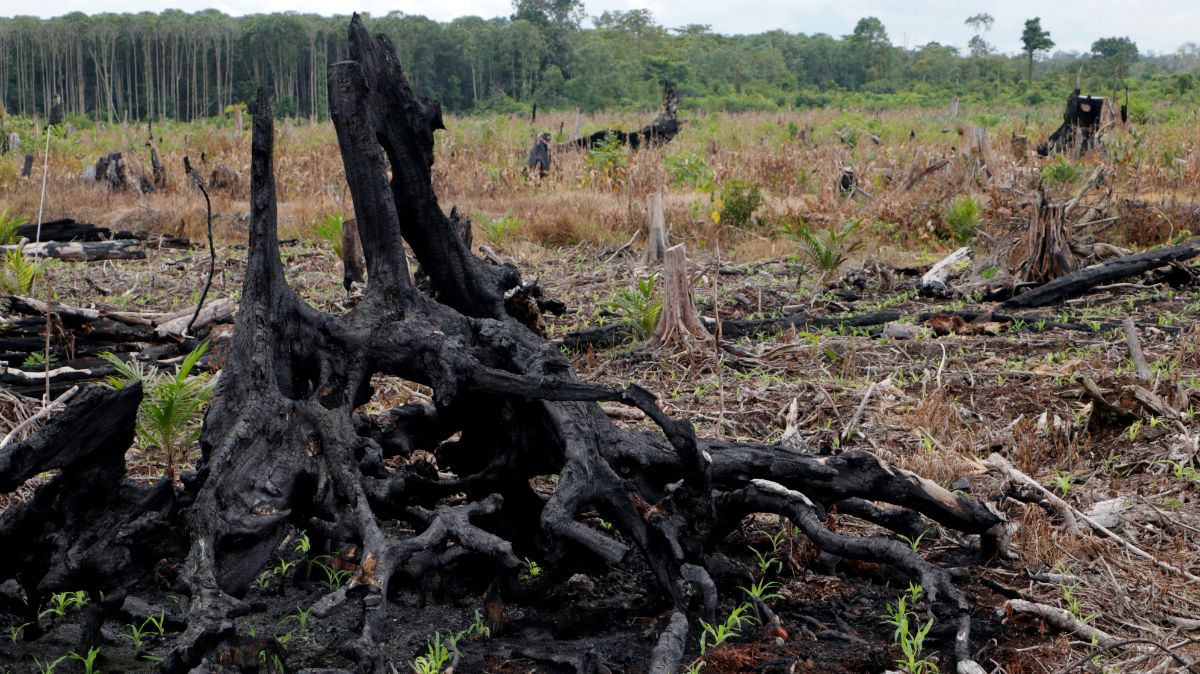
pixel 656 230
pixel 678 325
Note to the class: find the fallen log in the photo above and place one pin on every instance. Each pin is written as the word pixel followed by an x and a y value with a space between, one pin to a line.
pixel 936 281
pixel 658 132
pixel 64 230
pixel 83 251
pixel 1082 280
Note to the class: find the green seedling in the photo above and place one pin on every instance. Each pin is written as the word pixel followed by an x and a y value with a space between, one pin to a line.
pixel 88 661
pixel 301 618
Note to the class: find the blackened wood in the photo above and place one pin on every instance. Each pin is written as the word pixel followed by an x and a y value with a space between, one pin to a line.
pixel 65 230
pixel 1082 280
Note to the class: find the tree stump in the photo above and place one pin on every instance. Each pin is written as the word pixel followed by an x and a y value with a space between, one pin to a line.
pixel 678 325
pixel 656 230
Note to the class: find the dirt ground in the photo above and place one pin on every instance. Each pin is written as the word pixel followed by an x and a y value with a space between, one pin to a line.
pixel 938 405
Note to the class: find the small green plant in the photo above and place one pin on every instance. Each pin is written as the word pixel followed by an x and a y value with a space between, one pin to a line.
pixel 477 630
pixel 301 618
pixel 334 578
pixel 330 229
pixel 762 590
pixel 731 628
pixel 1061 172
pixel 829 248
pixel 61 601
pixel 913 543
pixel 282 567
pixel 171 408
pixel 739 199
pixel 37 359
pixel 1063 482
pixel 909 637
pixel 435 659
pixel 152 625
pixel 1133 430
pixel 767 562
pixel 532 570
pixel 88 661
pixel 638 307
pixel 1181 471
pixel 690 170
pixel 696 667
pixel 48 666
pixel 19 272
pixel 963 218
pixel 15 631
pixel 264 580
pixel 8 227
pixel 303 545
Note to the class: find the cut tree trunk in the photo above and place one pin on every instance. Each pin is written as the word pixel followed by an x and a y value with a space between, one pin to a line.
pixel 656 240
pixel 1047 243
pixel 283 447
pixel 678 325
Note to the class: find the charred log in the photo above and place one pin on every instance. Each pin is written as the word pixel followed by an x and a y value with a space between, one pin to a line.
pixel 658 132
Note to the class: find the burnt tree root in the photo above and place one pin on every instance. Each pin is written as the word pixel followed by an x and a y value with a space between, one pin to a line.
pixel 283 447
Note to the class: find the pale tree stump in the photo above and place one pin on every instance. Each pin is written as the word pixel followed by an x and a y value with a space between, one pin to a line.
pixel 678 325
pixel 656 243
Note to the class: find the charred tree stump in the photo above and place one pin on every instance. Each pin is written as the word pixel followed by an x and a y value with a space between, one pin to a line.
pixel 1080 127
pixel 539 156
pixel 284 448
pixel 27 165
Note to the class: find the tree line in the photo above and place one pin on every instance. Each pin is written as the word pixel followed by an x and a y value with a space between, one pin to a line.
pixel 185 66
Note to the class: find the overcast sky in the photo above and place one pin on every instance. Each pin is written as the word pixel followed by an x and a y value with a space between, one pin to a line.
pixel 1155 25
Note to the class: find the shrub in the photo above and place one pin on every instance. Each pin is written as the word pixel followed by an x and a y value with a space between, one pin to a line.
pixel 606 161
pixel 8 227
pixel 1061 172
pixel 690 170
pixel 498 230
pixel 739 200
pixel 330 229
pixel 963 218
pixel 19 272
pixel 829 248
pixel 637 307
pixel 171 408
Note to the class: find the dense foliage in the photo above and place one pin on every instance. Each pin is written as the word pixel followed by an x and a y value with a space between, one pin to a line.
pixel 183 66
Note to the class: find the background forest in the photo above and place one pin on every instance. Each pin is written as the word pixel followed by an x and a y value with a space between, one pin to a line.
pixel 185 66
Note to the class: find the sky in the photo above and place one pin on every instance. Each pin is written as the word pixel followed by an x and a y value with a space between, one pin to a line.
pixel 1160 26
